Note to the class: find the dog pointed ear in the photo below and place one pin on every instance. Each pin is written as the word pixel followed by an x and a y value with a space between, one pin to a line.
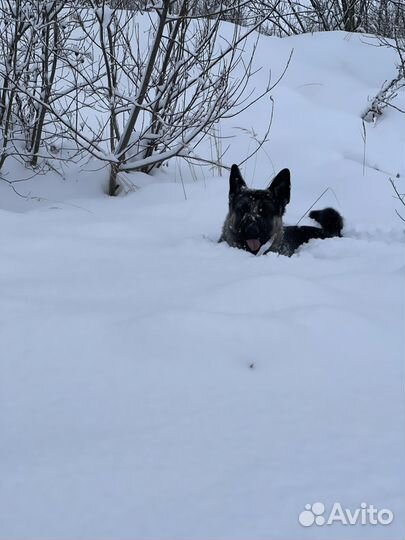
pixel 236 182
pixel 280 187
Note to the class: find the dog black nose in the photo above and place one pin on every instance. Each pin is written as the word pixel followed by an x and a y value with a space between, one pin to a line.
pixel 252 231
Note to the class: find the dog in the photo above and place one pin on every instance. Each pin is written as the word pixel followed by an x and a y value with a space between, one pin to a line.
pixel 255 218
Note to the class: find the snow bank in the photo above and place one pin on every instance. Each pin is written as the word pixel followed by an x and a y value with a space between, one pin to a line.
pixel 157 384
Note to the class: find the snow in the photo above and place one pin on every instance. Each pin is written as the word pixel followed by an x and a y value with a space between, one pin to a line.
pixel 157 384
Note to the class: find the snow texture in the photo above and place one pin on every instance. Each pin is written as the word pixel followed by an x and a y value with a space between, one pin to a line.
pixel 158 385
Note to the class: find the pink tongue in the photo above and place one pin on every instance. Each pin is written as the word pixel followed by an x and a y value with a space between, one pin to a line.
pixel 253 244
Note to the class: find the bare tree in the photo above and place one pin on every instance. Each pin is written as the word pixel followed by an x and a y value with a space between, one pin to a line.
pixel 33 62
pixel 297 16
pixel 187 85
pixel 79 79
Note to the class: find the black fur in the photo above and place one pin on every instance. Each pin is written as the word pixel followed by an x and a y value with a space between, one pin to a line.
pixel 255 217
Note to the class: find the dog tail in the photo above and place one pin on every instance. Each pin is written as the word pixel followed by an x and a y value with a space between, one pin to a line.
pixel 329 219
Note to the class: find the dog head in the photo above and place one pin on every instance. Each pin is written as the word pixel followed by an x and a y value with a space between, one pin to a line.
pixel 255 215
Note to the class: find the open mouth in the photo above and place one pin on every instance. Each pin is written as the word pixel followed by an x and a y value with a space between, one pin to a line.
pixel 253 244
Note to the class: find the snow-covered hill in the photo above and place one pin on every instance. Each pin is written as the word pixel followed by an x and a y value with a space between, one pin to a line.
pixel 157 384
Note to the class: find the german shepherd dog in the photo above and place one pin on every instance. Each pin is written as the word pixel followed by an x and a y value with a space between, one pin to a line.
pixel 254 221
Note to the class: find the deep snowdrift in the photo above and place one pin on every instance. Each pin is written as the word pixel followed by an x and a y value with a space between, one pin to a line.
pixel 156 384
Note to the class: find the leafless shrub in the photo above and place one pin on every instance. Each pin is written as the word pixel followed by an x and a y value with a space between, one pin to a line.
pixel 390 89
pixel 288 17
pixel 76 79
pixel 384 98
pixel 35 67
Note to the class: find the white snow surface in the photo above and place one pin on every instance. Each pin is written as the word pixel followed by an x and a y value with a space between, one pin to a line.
pixel 155 384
